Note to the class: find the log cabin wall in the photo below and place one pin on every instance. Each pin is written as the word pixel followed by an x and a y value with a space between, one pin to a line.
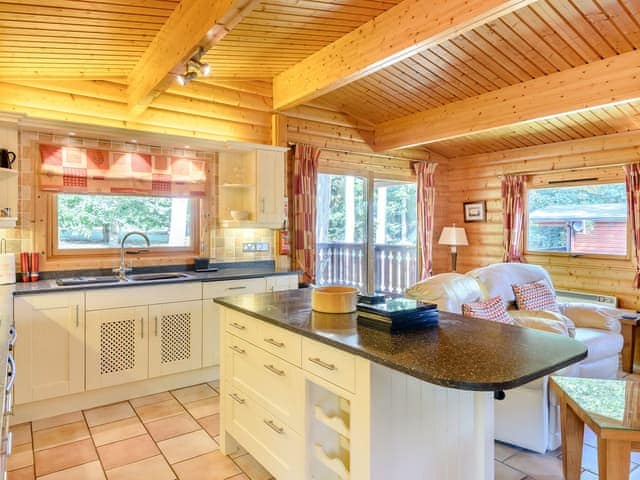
pixel 477 177
pixel 326 128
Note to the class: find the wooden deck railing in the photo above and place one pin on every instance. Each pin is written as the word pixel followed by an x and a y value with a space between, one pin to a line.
pixel 346 264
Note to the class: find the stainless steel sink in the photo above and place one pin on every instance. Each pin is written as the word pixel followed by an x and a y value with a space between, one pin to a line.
pixel 86 280
pixel 148 277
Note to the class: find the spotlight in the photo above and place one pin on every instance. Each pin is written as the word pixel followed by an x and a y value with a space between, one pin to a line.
pixel 186 77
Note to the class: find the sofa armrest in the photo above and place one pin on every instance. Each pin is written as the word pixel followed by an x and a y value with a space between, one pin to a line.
pixel 589 315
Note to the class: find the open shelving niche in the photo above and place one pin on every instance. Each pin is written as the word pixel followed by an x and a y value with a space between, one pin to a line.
pixel 9 196
pixel 329 434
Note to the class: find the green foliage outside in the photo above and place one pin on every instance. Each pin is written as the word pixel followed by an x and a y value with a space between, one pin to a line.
pixel 554 238
pixel 400 212
pixel 104 219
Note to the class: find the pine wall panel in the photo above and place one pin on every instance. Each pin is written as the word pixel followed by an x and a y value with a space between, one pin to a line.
pixel 477 177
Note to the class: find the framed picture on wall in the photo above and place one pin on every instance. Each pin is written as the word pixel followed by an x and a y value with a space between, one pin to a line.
pixel 475 211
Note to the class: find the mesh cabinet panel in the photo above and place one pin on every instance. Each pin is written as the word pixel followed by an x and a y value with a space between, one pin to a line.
pixel 175 337
pixel 117 346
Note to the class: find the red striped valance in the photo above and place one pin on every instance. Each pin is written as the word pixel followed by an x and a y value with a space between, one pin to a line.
pixel 87 170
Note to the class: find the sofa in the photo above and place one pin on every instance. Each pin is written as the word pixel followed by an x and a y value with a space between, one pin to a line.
pixel 529 416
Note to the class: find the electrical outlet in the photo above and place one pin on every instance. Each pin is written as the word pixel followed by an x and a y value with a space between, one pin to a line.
pixel 262 247
pixel 249 247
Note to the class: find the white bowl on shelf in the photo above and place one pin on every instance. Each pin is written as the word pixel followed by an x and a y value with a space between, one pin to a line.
pixel 239 214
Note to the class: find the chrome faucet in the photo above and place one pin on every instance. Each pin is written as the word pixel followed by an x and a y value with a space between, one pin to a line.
pixel 123 269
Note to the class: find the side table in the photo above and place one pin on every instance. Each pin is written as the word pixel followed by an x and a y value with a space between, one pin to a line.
pixel 630 333
pixel 611 408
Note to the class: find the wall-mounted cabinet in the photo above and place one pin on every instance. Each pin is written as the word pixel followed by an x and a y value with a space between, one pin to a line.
pixel 251 181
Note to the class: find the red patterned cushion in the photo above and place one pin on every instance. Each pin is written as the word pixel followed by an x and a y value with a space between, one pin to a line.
pixel 535 296
pixel 492 309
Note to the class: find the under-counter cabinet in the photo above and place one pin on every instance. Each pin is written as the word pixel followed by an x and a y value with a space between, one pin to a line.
pixel 175 337
pixel 117 346
pixel 51 349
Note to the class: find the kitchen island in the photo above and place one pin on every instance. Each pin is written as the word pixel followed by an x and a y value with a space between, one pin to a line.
pixel 315 396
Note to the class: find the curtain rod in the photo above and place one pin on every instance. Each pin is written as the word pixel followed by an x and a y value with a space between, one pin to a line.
pixel 377 155
pixel 563 170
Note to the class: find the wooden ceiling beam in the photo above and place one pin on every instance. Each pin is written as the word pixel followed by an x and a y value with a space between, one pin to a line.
pixel 598 84
pixel 402 31
pixel 193 24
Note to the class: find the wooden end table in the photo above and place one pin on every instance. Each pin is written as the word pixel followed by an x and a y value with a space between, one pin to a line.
pixel 630 334
pixel 611 408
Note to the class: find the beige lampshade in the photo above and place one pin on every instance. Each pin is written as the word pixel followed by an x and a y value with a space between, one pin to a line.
pixel 453 236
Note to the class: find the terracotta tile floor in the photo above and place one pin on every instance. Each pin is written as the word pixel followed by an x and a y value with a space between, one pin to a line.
pixel 166 436
pixel 174 436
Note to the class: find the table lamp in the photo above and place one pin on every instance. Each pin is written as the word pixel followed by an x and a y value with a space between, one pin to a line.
pixel 453 236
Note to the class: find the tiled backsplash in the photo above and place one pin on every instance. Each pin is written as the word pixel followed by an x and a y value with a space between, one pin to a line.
pixel 227 244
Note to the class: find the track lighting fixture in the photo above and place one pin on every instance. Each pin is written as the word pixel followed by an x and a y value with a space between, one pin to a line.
pixel 192 67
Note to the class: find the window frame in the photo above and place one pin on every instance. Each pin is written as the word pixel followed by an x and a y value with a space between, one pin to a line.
pixel 370 176
pixel 569 183
pixel 53 251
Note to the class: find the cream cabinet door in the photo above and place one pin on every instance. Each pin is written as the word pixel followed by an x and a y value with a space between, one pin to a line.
pixel 278 283
pixel 50 348
pixel 270 187
pixel 210 333
pixel 175 339
pixel 117 346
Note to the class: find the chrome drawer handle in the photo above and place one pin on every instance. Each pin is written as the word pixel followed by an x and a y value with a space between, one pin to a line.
pixel 11 373
pixel 236 288
pixel 275 343
pixel 9 403
pixel 238 326
pixel 273 369
pixel 328 366
pixel 237 398
pixel 237 349
pixel 273 426
pixel 8 449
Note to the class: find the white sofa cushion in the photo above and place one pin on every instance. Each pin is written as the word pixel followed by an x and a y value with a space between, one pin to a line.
pixel 600 343
pixel 497 279
pixel 588 315
pixel 447 290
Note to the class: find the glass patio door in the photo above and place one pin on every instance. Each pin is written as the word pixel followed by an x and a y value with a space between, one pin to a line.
pixel 341 228
pixel 381 259
pixel 395 234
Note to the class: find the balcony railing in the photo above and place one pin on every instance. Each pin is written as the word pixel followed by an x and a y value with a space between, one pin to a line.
pixel 395 266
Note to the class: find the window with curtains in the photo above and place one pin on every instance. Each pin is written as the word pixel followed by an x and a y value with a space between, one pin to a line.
pixel 580 220
pixel 97 196
pixel 84 221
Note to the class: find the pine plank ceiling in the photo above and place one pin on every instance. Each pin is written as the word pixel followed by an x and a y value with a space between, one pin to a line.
pixel 77 38
pixel 104 39
pixel 280 33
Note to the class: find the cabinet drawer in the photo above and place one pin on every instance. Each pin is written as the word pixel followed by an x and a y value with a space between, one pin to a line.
pixel 136 295
pixel 274 444
pixel 334 365
pixel 276 384
pixel 233 287
pixel 280 342
pixel 241 325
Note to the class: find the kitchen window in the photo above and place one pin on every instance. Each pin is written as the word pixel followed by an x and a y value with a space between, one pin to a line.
pixel 578 220
pixel 98 222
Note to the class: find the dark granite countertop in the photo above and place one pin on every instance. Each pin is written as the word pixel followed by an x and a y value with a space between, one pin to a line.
pixel 461 353
pixel 240 272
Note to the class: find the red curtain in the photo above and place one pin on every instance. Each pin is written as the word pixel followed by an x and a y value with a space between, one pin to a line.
pixel 513 190
pixel 88 170
pixel 426 204
pixel 305 180
pixel 632 173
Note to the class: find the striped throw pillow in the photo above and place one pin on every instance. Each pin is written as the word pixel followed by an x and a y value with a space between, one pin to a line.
pixel 493 309
pixel 535 296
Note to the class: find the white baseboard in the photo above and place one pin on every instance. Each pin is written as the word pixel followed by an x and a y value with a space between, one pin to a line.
pixel 82 401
